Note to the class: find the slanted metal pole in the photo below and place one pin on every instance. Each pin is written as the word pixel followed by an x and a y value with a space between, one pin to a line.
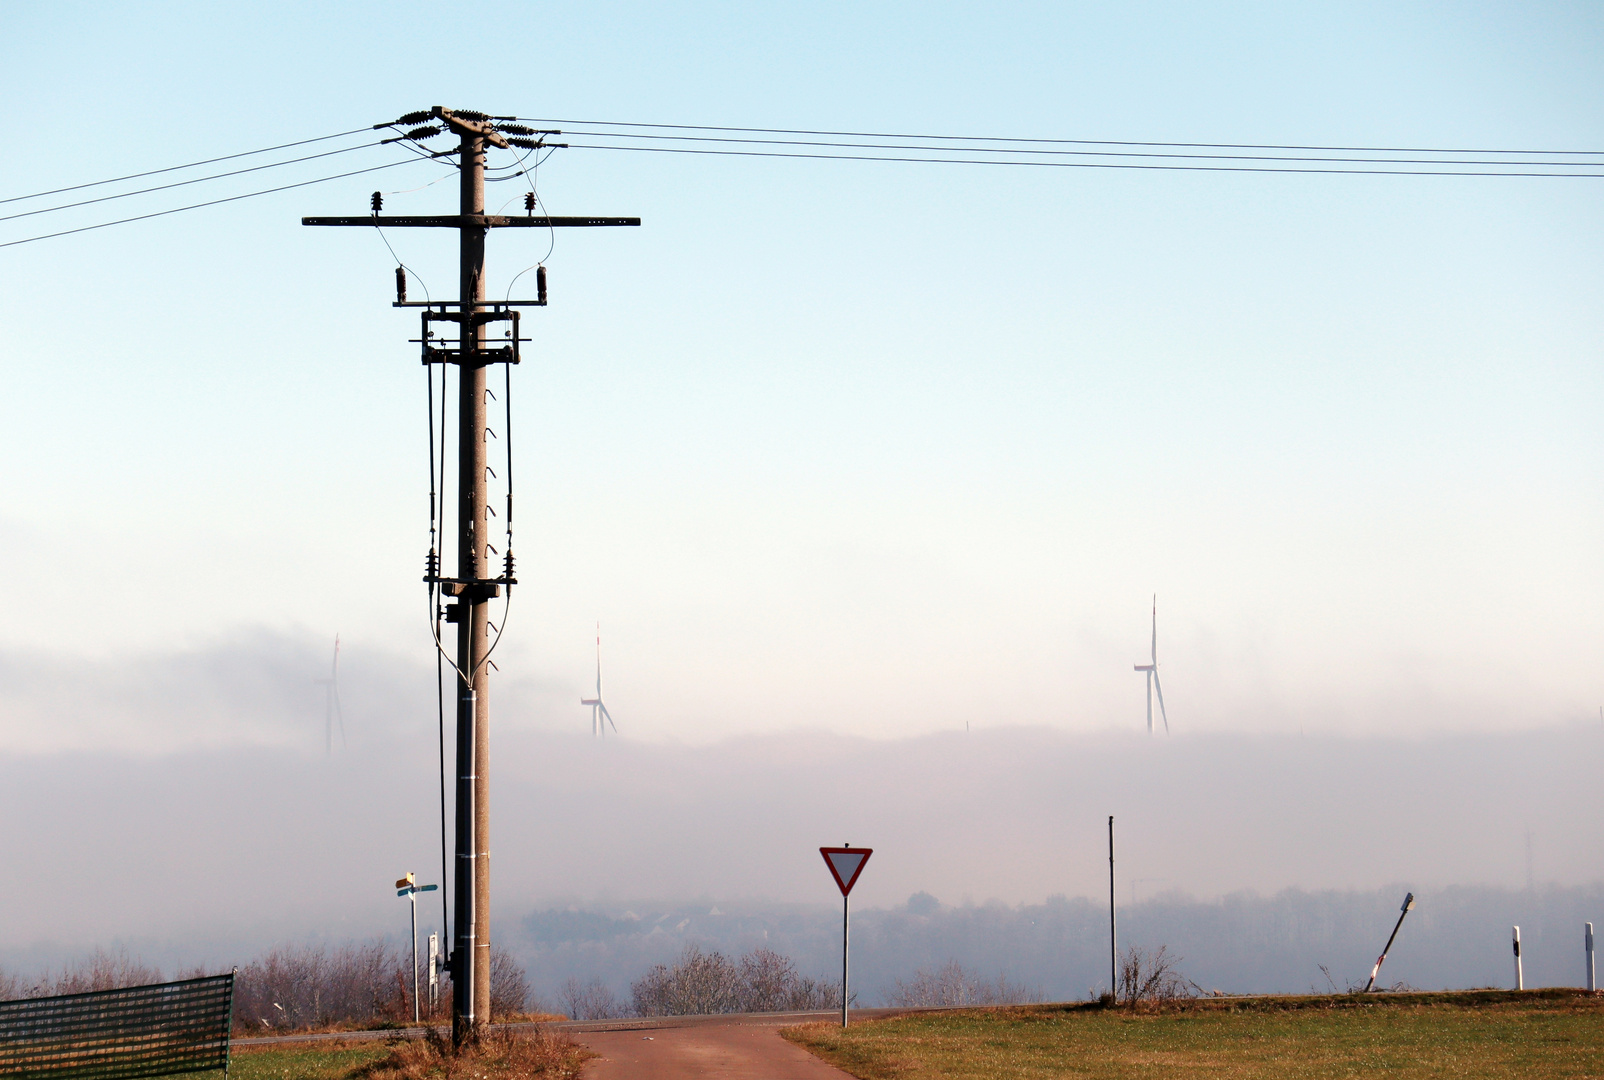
pixel 1520 977
pixel 1408 905
pixel 846 926
pixel 1113 940
pixel 1588 942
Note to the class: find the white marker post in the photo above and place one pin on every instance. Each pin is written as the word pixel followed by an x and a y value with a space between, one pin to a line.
pixel 409 888
pixel 1520 978
pixel 434 973
pixel 846 863
pixel 1592 984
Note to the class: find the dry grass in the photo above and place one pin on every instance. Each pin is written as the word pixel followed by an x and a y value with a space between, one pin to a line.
pixel 497 1055
pixel 1539 1035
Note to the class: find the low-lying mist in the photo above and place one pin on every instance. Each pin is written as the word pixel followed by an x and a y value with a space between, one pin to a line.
pixel 235 830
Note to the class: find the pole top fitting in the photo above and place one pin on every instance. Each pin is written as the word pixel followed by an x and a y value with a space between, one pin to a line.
pixel 462 125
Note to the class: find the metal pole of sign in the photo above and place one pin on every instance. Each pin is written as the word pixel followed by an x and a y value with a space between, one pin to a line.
pixel 1592 984
pixel 846 924
pixel 412 902
pixel 1520 977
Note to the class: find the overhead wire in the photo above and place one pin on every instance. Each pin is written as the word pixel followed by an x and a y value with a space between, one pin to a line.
pixel 190 165
pixel 971 149
pixel 186 183
pixel 828 145
pixel 1070 142
pixel 199 205
pixel 1161 167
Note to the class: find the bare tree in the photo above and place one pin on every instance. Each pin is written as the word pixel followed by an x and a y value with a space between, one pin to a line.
pixel 952 985
pixel 509 986
pixel 589 1001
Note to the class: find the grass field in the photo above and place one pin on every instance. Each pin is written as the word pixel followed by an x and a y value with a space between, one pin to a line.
pixel 303 1061
pixel 1536 1035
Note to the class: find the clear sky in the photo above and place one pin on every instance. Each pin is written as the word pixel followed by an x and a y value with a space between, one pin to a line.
pixel 878 448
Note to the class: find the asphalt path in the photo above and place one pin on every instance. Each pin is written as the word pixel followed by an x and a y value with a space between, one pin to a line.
pixel 723 1048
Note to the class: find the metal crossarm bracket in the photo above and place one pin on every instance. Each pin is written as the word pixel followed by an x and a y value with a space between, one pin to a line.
pixel 470 221
pixel 506 354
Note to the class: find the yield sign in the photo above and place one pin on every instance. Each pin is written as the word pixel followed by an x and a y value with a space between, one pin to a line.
pixel 845 864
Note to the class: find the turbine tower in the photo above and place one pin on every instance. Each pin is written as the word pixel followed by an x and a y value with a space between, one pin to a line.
pixel 1152 678
pixel 598 711
pixel 331 704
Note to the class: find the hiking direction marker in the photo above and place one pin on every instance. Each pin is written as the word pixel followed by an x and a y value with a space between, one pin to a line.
pixel 845 863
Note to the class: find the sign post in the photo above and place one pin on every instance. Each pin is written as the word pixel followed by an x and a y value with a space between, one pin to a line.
pixel 409 888
pixel 846 863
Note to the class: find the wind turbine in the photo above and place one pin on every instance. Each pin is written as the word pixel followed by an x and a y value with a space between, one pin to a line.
pixel 331 704
pixel 1152 678
pixel 598 711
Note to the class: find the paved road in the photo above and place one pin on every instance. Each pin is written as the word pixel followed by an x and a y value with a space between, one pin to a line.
pixel 739 1048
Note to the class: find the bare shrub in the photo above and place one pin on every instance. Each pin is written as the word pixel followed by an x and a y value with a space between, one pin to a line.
pixel 771 983
pixel 12 986
pixel 1152 979
pixel 699 983
pixel 304 986
pixel 100 970
pixel 509 986
pixel 589 1001
pixel 952 985
pixel 500 1054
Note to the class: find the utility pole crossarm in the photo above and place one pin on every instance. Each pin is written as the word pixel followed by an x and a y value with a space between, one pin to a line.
pixel 458 221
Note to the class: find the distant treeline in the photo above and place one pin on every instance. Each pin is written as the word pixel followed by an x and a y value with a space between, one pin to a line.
pixel 294 987
pixel 1456 937
pixel 592 963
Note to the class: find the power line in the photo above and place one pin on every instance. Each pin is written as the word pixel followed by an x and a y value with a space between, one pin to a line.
pixel 1086 153
pixel 1066 142
pixel 185 183
pixel 199 205
pixel 176 168
pixel 1079 164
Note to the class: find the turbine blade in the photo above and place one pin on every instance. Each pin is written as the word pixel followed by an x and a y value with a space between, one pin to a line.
pixel 1155 628
pixel 1150 702
pixel 1161 712
pixel 609 716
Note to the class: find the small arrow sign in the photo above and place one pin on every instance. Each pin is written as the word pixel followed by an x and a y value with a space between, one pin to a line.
pixel 845 864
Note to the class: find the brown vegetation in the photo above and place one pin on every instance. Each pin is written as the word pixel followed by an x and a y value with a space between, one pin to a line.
pixel 1147 979
pixel 497 1055
pixel 952 985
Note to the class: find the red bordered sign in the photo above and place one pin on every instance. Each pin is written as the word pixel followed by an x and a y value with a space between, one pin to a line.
pixel 845 864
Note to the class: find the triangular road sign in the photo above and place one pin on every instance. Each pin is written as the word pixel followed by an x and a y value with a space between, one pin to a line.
pixel 845 864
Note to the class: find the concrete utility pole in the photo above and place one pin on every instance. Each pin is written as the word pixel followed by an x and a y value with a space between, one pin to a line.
pixel 473 586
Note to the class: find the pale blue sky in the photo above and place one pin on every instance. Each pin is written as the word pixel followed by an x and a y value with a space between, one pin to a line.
pixel 879 448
